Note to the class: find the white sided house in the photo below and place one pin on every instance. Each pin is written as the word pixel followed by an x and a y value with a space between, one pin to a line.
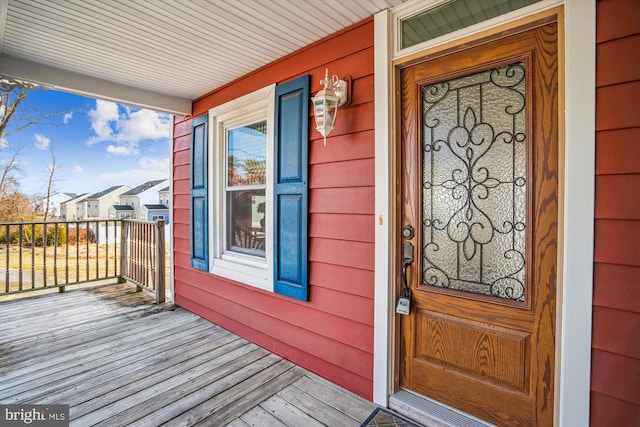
pixel 98 204
pixel 81 207
pixel 129 203
pixel 163 195
pixel 151 212
pixel 68 208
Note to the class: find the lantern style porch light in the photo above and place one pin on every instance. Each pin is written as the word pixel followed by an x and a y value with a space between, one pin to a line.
pixel 326 103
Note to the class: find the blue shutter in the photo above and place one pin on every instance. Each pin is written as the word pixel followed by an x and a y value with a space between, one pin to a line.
pixel 199 209
pixel 291 193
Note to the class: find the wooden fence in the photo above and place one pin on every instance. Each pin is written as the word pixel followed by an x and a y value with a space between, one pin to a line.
pixel 143 258
pixel 43 255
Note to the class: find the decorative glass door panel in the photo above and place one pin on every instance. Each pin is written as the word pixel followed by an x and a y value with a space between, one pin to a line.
pixel 478 168
pixel 474 183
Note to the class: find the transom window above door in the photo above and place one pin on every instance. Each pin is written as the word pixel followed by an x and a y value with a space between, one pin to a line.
pixel 447 16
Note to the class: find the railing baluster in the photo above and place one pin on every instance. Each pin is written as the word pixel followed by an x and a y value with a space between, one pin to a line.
pixel 7 240
pixel 44 253
pixel 97 249
pixel 106 249
pixel 66 253
pixel 55 255
pixel 87 253
pixel 33 256
pixel 77 252
pixel 160 264
pixel 20 230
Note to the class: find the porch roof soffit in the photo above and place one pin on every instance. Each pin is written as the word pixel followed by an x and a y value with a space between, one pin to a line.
pixel 160 55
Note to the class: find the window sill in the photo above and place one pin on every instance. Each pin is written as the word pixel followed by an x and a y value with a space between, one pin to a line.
pixel 245 269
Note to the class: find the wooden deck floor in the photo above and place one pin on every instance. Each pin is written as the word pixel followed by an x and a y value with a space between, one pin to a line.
pixel 119 360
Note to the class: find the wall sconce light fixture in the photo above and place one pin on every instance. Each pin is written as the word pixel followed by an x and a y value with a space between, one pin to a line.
pixel 326 103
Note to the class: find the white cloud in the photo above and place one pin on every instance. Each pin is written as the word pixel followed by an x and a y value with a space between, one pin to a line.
pixel 150 168
pixel 101 118
pixel 143 124
pixel 123 150
pixel 67 116
pixel 154 163
pixel 125 127
pixel 42 142
pixel 4 143
pixel 77 169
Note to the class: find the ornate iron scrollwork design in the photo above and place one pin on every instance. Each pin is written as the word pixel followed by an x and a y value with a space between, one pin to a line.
pixel 474 183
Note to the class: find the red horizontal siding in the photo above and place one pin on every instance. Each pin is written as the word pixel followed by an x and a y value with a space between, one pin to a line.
pixel 616 242
pixel 615 364
pixel 332 334
pixel 344 147
pixel 612 330
pixel 359 200
pixel 181 216
pixel 616 19
pixel 607 411
pixel 618 196
pixel 343 227
pixel 342 252
pixel 182 142
pixel 181 172
pixel 618 286
pixel 181 158
pixel 617 106
pixel 627 67
pixel 181 186
pixel 354 173
pixel 181 128
pixel 616 376
pixel 351 119
pixel 344 279
pixel 618 151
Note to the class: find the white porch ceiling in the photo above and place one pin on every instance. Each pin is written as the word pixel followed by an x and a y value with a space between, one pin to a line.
pixel 160 54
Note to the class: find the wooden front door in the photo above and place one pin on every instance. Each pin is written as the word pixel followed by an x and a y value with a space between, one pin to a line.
pixel 479 183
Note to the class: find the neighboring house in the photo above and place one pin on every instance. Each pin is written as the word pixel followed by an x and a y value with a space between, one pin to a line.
pixel 488 164
pixel 68 208
pixel 98 204
pixel 153 212
pixel 163 196
pixel 121 212
pixel 81 207
pixel 146 193
pixel 55 202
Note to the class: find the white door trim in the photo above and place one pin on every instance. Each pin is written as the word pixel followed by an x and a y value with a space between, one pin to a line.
pixel 577 188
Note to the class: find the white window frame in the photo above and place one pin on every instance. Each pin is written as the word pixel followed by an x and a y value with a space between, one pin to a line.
pixel 244 268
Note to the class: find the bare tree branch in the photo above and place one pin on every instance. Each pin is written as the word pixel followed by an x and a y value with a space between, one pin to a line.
pixel 15 118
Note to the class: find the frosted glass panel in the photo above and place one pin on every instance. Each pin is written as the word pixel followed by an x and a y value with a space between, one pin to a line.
pixel 474 183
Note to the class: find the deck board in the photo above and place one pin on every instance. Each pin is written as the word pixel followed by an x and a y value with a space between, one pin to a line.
pixel 117 359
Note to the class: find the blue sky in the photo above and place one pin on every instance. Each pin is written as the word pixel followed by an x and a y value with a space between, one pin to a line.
pixel 97 144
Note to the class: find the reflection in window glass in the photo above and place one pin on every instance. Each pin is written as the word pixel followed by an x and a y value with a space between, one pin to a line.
pixel 245 191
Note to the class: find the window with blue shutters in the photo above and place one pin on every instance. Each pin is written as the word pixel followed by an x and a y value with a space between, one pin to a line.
pixel 249 193
pixel 241 191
